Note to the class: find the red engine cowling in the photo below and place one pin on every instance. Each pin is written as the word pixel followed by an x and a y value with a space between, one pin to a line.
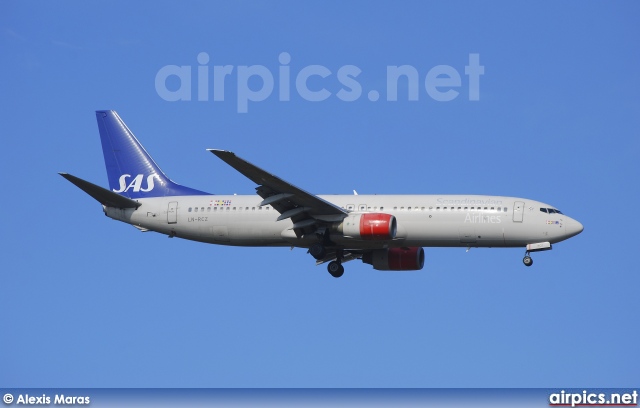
pixel 370 226
pixel 395 259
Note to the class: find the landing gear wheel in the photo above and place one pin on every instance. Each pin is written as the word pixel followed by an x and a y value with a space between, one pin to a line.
pixel 317 251
pixel 335 269
pixel 527 260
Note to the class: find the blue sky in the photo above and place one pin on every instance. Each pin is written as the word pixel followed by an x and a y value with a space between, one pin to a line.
pixel 90 302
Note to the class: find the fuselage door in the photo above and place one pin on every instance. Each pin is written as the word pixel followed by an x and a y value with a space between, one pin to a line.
pixel 172 212
pixel 518 211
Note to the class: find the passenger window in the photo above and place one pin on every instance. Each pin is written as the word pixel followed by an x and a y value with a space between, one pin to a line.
pixel 499 208
pixel 202 209
pixel 189 209
pixel 505 209
pixel 208 209
pixel 466 208
pixel 195 209
pixel 409 208
pixel 437 208
pixel 493 208
pixel 381 208
pixel 459 208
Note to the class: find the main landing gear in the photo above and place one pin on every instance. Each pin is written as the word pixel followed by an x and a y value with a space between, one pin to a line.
pixel 319 252
pixel 336 269
pixel 527 260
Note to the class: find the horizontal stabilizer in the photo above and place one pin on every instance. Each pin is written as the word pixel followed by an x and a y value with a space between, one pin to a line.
pixel 102 195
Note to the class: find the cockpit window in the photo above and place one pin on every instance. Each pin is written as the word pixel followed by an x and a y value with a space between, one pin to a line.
pixel 550 211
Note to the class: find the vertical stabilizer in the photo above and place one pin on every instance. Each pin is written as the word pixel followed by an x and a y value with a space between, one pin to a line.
pixel 131 170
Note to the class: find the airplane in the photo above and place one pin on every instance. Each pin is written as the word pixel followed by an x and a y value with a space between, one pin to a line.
pixel 389 232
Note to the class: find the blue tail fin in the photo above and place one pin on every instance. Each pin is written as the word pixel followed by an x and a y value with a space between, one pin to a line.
pixel 131 171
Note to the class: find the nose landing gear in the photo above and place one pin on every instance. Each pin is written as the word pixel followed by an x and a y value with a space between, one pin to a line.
pixel 537 247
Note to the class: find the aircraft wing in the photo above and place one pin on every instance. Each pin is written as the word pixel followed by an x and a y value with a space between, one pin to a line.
pixel 304 209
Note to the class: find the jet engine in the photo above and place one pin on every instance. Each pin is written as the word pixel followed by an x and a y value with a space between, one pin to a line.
pixel 369 226
pixel 395 259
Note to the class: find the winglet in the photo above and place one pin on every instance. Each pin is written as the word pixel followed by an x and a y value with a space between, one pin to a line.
pixel 102 195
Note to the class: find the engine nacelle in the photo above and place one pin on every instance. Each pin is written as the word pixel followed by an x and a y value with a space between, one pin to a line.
pixel 369 226
pixel 395 259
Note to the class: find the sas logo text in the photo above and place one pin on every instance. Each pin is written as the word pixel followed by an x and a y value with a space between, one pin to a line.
pixel 135 184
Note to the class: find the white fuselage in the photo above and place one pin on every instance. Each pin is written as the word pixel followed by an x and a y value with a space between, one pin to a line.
pixel 423 220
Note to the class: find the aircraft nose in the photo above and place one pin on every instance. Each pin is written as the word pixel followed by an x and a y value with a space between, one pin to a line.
pixel 573 227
